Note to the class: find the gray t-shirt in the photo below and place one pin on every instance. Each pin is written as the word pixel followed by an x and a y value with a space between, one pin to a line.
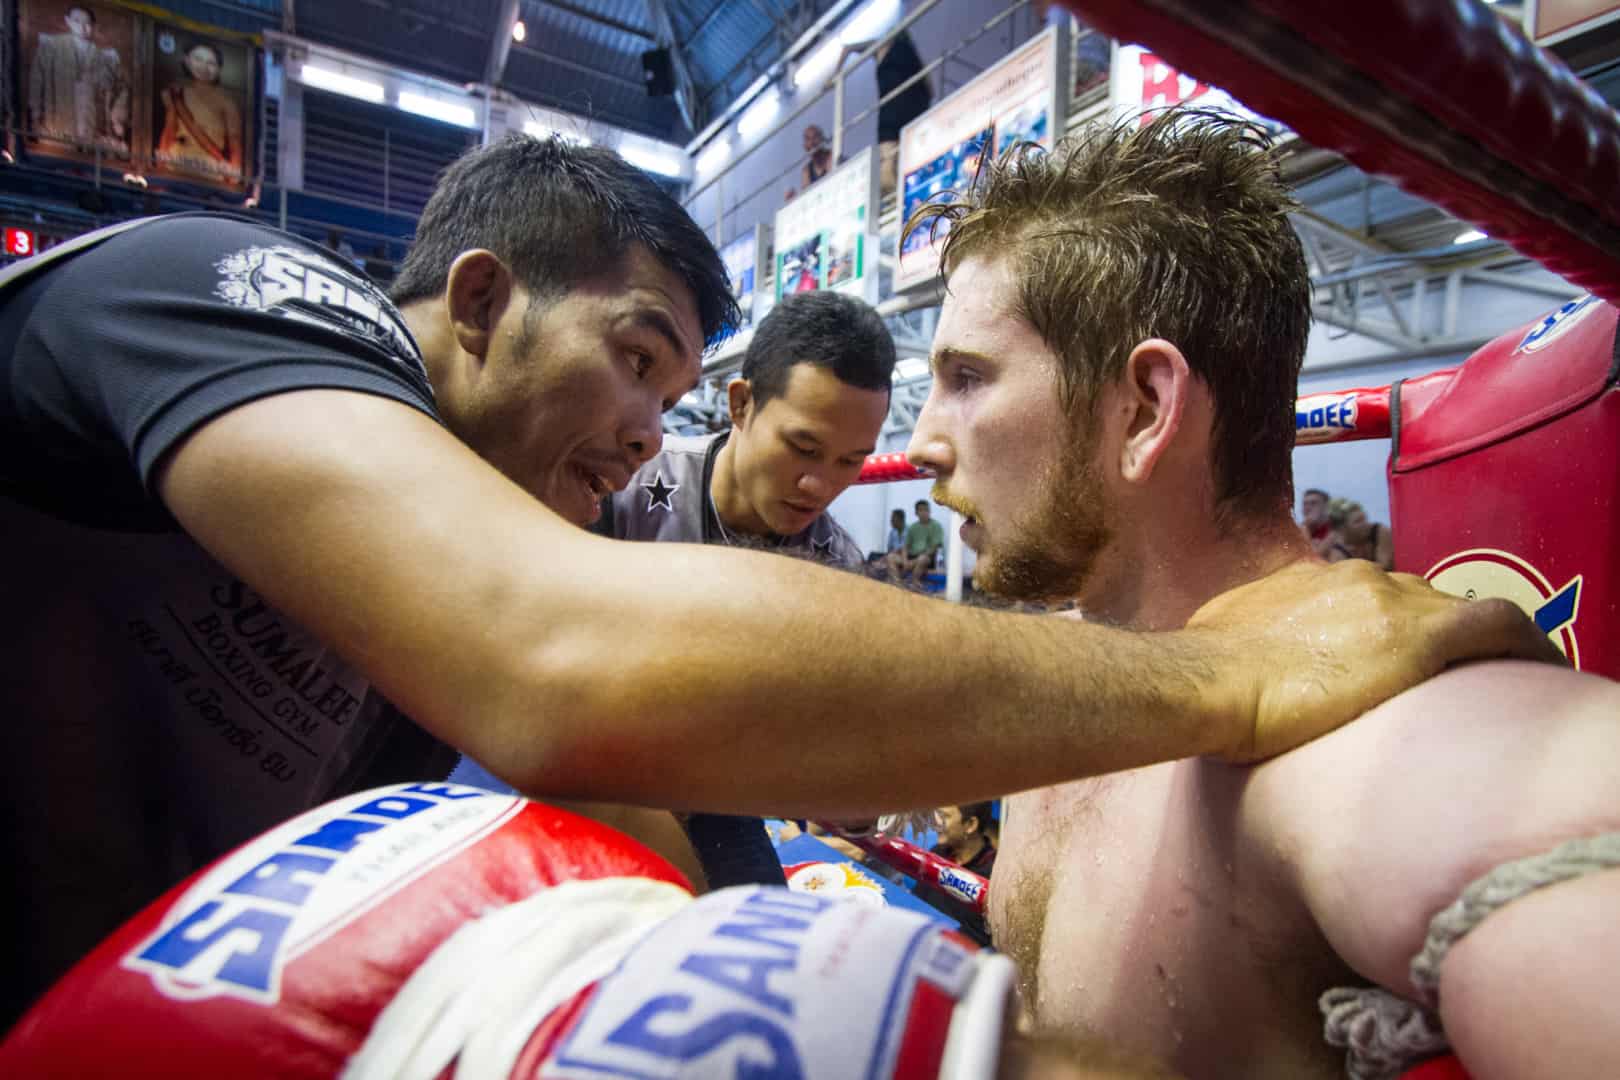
pixel 668 500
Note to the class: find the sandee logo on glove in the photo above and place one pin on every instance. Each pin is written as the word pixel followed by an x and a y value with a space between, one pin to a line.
pixel 766 982
pixel 234 931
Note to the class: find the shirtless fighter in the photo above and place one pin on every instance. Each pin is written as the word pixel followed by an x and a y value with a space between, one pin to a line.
pixel 1111 412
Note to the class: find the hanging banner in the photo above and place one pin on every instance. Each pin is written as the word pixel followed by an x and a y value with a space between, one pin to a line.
pixel 1142 83
pixel 1023 98
pixel 825 238
pixel 746 259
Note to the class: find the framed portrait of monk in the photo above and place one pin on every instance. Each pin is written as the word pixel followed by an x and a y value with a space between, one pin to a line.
pixel 78 71
pixel 201 106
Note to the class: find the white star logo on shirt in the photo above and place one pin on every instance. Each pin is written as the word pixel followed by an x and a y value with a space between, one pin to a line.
pixel 659 493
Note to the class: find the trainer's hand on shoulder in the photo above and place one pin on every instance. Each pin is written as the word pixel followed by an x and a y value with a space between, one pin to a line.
pixel 1314 646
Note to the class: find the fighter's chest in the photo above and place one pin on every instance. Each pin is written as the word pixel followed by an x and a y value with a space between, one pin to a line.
pixel 1123 897
pixel 1085 868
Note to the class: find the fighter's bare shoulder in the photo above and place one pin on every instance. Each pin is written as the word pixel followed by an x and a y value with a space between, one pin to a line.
pixel 1384 822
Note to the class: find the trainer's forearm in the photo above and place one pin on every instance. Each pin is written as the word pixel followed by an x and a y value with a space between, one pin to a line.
pixel 726 680
pixel 660 674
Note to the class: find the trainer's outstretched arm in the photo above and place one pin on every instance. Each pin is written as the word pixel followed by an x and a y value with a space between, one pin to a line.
pixel 703 678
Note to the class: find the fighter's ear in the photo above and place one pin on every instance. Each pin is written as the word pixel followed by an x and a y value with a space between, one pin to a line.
pixel 1156 386
pixel 477 291
pixel 739 395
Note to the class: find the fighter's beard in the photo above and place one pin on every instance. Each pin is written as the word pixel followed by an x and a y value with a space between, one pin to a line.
pixel 1048 556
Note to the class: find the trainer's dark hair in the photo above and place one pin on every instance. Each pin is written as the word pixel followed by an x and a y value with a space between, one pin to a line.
pixel 559 214
pixel 826 329
pixel 1317 491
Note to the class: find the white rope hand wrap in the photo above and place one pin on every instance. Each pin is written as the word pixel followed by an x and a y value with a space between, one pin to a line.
pixel 1385 1034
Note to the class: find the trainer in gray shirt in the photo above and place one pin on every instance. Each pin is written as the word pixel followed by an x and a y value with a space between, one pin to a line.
pixel 669 500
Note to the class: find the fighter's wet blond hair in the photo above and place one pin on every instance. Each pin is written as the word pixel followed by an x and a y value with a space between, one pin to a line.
pixel 1173 227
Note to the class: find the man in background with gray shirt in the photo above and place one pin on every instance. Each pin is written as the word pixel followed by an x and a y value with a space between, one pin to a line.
pixel 806 411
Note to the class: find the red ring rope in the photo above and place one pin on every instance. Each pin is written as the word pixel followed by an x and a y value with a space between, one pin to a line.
pixel 1444 97
pixel 962 886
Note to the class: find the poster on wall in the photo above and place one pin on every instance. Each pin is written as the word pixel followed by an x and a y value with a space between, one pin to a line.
pixel 824 237
pixel 79 72
pixel 1142 83
pixel 1021 99
pixel 745 265
pixel 164 98
pixel 202 106
pixel 1552 21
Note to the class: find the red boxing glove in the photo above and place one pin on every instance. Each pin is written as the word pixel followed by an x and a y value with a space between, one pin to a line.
pixel 432 930
pixel 275 960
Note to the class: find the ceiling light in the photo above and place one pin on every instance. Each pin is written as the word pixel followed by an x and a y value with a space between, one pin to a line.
pixel 714 157
pixel 818 66
pixel 338 83
pixel 434 109
pixel 873 20
pixel 519 31
pixel 651 161
pixel 759 115
pixel 1469 237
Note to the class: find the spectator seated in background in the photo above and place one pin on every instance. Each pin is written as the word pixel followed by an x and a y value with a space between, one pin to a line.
pixel 964 838
pixel 1354 537
pixel 894 541
pixel 1314 523
pixel 924 538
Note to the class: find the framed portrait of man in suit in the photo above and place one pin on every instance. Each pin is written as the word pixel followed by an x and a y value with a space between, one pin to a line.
pixel 78 78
